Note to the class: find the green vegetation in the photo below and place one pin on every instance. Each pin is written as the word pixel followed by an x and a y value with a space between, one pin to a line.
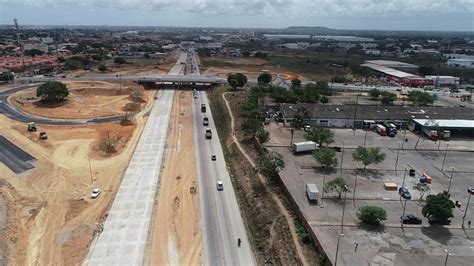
pixel 311 93
pixel 282 95
pixel 374 94
pixel 52 91
pixel 320 135
pixel 6 76
pixel 264 79
pixel 302 232
pixel 269 164
pixel 438 206
pixel 296 83
pixel 368 156
pixel 102 68
pixel 263 136
pixel 33 52
pixel 388 97
pixel 120 60
pixel 421 98
pixel 338 185
pixel 236 80
pixel 422 188
pixel 326 157
pixel 301 115
pixel 371 215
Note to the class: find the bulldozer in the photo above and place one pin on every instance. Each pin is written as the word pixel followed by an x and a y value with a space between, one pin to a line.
pixel 31 127
pixel 43 136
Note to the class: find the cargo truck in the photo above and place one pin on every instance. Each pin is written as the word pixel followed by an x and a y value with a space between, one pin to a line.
pixel 205 121
pixel 312 192
pixel 432 134
pixel 208 134
pixel 305 146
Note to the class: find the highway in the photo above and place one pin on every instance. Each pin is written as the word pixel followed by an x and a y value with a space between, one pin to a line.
pixel 222 222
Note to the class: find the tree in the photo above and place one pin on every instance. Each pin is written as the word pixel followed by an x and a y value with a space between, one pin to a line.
pixel 264 79
pixel 422 188
pixel 320 135
pixel 371 215
pixel 301 115
pixel 368 156
pixel 438 207
pixel 253 122
pixel 326 157
pixel 338 185
pixel 324 99
pixel 236 80
pixel 263 135
pixel 120 60
pixel 282 95
pixel 6 76
pixel 426 70
pixel 374 94
pixel 146 55
pixel 52 91
pixel 296 83
pixel 269 164
pixel 102 68
pixel 33 52
pixel 388 97
pixel 421 98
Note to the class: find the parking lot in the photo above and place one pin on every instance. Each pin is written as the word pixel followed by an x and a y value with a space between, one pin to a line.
pixel 392 244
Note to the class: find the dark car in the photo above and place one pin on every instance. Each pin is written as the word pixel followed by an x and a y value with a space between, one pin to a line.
pixel 435 221
pixel 403 191
pixel 410 219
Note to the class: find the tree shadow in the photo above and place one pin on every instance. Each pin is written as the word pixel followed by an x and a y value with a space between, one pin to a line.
pixel 47 105
pixel 437 233
pixel 372 228
pixel 368 173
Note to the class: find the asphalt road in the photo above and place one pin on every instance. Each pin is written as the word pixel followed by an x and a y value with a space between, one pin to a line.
pixel 12 112
pixel 221 218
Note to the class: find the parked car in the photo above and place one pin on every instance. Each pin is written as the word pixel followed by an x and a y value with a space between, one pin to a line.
pixel 220 186
pixel 307 127
pixel 403 191
pixel 410 219
pixel 95 193
pixel 435 221
pixel 213 157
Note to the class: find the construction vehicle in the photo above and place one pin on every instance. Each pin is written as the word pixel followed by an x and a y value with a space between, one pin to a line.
pixel 43 135
pixel 31 127
pixel 208 134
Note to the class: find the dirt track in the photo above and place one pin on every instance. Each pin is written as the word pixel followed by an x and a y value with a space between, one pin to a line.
pixel 52 218
pixel 176 234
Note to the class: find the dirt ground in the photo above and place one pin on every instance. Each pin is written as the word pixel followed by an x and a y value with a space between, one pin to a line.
pixel 52 219
pixel 85 100
pixel 176 235
pixel 251 67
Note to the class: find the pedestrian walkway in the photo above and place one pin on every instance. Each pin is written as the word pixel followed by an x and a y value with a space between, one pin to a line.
pixel 125 231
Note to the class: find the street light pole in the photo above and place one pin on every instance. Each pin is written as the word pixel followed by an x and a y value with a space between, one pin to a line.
pixel 324 183
pixel 404 176
pixel 398 154
pixel 447 256
pixel 470 191
pixel 342 157
pixel 451 178
pixel 404 134
pixel 337 248
pixel 355 187
pixel 343 209
pixel 444 159
pixel 403 212
pixel 365 137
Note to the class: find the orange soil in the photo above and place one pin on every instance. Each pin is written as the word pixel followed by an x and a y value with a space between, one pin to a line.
pixel 52 218
pixel 85 100
pixel 176 233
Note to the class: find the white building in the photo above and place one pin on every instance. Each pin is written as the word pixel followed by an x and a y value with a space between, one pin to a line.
pixel 466 63
pixel 373 52
pixel 444 81
pixel 458 56
pixel 43 47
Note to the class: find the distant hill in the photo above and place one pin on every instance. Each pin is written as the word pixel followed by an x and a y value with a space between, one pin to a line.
pixel 309 30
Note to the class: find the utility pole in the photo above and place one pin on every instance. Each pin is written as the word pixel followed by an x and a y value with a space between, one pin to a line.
pixel 403 212
pixel 404 133
pixel 337 248
pixel 344 209
pixel 404 176
pixel 398 154
pixel 470 190
pixel 444 159
pixel 324 183
pixel 365 137
pixel 447 256
pixel 342 157
pixel 451 178
pixel 90 170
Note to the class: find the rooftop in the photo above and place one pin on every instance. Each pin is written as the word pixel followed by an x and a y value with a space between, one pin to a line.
pixel 446 123
pixel 389 71
pixel 379 112
pixel 389 63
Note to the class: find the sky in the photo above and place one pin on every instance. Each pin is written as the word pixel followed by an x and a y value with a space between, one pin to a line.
pixel 442 15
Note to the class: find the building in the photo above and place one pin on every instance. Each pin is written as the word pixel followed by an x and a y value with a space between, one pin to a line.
pixel 444 81
pixel 349 116
pixel 279 82
pixel 283 36
pixel 394 64
pixel 295 46
pixel 43 47
pixel 458 56
pixel 397 76
pixel 465 63
pixel 455 127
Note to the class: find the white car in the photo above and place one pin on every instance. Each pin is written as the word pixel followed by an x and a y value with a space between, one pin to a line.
pixel 220 186
pixel 95 193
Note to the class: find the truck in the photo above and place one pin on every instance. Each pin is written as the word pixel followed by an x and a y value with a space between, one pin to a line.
pixel 312 192
pixel 432 134
pixel 381 130
pixel 304 146
pixel 203 108
pixel 205 121
pixel 208 134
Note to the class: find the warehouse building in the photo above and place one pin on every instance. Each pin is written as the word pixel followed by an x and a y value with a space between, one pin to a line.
pixel 444 81
pixel 398 76
pixel 368 116
pixel 465 63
